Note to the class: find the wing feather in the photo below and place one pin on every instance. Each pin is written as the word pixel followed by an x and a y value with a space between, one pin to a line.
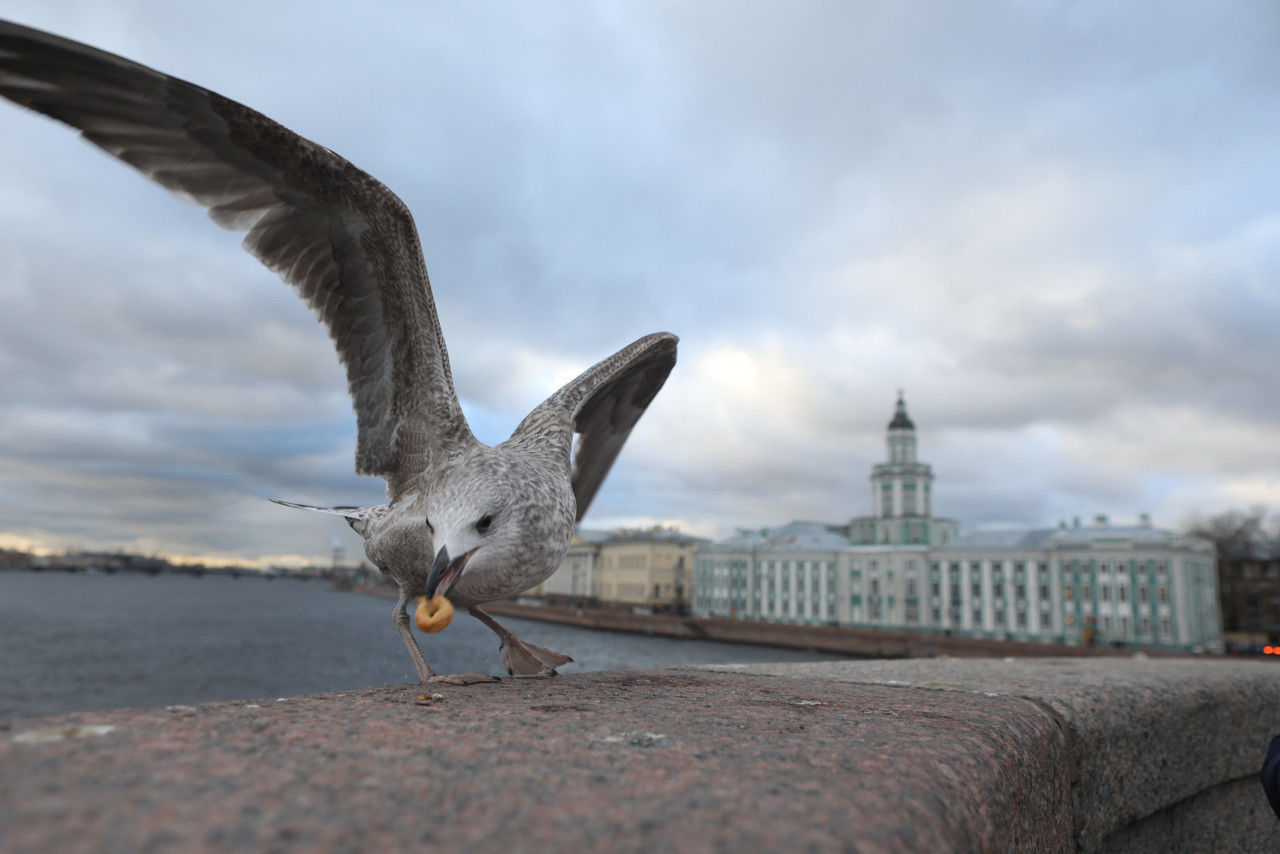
pixel 346 243
pixel 601 406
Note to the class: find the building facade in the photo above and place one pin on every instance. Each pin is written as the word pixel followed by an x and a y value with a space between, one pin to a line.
pixel 650 568
pixel 1098 583
pixel 1250 597
pixel 575 578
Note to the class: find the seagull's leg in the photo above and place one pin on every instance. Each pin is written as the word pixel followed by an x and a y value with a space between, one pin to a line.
pixel 520 657
pixel 400 616
pixel 425 674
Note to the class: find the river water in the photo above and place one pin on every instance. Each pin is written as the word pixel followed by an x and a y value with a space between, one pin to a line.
pixel 86 642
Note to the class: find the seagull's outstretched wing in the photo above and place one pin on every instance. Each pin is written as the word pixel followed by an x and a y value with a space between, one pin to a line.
pixel 345 242
pixel 601 406
pixel 357 517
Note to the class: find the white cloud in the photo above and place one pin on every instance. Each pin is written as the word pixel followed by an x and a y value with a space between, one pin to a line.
pixel 1053 224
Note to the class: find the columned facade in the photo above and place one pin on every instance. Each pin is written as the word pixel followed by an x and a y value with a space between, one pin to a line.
pixel 903 568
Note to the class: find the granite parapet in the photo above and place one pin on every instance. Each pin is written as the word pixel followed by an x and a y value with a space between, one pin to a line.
pixel 890 757
pixel 1144 737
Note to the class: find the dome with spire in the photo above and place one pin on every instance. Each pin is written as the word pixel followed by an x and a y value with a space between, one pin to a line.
pixel 900 420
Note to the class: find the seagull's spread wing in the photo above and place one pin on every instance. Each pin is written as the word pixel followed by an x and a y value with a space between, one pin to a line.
pixel 345 242
pixel 602 405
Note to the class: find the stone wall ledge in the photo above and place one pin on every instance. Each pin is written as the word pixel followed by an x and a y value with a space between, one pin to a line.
pixel 921 755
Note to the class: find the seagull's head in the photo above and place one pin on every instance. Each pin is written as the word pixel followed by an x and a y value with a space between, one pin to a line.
pixel 502 516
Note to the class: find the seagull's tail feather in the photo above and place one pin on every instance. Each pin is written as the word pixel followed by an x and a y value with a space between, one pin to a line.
pixel 357 517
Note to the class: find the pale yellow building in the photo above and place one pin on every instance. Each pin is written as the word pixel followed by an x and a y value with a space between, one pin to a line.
pixel 650 568
pixel 574 578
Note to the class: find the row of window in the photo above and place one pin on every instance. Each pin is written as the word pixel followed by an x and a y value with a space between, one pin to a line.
pixel 790 582
pixel 910 506
pixel 1121 593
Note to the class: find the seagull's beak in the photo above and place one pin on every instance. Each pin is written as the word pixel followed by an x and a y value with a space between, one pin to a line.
pixel 445 571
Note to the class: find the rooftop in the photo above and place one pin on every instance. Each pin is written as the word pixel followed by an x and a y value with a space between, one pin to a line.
pixel 793 536
pixel 1079 536
pixel 900 419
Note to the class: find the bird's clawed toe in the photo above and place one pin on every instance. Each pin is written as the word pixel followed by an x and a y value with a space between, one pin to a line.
pixel 525 659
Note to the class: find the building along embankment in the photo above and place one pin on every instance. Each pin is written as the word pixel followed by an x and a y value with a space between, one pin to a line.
pixel 844 640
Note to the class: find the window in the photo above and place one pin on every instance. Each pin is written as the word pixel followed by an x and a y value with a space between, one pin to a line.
pixel 977 616
pixel 1163 593
pixel 875 587
pixel 911 588
pixel 1044 591
pixel 1143 596
pixel 999 618
pixel 936 614
pixel 1067 592
pixel 1022 620
pixel 1106 594
pixel 1122 594
pixel 977 590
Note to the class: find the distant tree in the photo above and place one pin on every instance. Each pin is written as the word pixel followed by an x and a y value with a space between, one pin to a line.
pixel 1248 568
pixel 1237 534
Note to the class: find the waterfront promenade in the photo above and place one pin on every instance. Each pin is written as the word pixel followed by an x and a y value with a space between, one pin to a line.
pixel 926 755
pixel 863 642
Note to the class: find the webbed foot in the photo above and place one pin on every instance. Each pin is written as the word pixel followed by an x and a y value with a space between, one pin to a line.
pixel 522 658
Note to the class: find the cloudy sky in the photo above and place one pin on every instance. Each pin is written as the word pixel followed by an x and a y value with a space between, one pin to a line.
pixel 1054 224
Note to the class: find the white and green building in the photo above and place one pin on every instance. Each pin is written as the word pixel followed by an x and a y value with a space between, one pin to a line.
pixel 903 568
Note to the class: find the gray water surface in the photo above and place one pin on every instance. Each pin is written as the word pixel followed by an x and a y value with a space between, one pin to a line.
pixel 85 642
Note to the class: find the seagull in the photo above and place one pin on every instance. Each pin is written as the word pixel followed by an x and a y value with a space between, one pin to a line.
pixel 475 522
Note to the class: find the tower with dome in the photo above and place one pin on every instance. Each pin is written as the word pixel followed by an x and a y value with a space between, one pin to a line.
pixel 902 494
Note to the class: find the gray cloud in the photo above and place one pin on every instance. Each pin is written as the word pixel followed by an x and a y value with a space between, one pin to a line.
pixel 1052 223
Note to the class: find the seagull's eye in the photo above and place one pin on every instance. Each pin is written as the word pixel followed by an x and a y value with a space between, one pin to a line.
pixel 485 521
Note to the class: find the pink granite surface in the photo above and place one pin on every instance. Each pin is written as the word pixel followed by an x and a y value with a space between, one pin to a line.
pixel 618 761
pixel 1146 737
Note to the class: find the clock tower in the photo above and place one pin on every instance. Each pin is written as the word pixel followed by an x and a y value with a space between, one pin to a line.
pixel 902 493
